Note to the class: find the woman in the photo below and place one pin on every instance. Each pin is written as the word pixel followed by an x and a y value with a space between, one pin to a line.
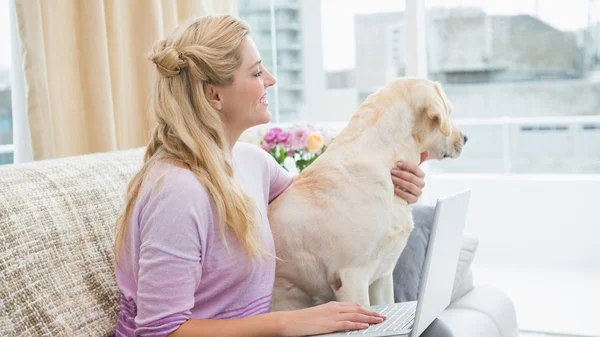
pixel 193 246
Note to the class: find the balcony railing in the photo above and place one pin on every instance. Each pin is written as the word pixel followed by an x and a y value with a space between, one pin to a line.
pixel 529 145
pixel 537 145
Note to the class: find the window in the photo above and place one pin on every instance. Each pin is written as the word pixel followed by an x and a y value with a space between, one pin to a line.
pixel 6 132
pixel 327 55
pixel 285 51
pixel 522 75
pixel 523 79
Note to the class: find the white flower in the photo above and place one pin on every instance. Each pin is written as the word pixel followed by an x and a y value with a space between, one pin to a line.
pixel 255 134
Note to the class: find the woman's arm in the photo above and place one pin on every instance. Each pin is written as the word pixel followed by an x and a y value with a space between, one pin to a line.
pixel 325 318
pixel 267 325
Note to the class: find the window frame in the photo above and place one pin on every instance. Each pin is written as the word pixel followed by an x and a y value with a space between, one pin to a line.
pixel 21 146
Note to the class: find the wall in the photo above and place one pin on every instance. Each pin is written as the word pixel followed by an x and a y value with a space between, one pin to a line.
pixel 530 221
pixel 512 43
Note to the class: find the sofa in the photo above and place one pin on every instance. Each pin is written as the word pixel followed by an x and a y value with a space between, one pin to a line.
pixel 56 260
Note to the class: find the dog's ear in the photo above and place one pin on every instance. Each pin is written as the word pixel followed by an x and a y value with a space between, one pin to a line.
pixel 439 110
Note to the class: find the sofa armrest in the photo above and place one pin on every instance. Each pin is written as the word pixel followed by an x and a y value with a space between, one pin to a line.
pixel 484 311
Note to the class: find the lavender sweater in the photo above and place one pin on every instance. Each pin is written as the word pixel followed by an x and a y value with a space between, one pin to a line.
pixel 175 265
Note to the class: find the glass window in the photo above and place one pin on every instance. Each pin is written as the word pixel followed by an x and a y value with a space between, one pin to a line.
pixel 327 55
pixel 523 79
pixel 6 134
pixel 6 158
pixel 523 76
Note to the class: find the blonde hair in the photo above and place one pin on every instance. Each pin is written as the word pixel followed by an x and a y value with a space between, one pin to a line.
pixel 189 131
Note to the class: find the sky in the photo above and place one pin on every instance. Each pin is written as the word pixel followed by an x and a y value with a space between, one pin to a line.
pixel 338 29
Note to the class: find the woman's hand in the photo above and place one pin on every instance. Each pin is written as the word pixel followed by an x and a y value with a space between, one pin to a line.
pixel 409 180
pixel 327 318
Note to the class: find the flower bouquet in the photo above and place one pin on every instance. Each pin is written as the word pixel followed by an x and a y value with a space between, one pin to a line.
pixel 298 145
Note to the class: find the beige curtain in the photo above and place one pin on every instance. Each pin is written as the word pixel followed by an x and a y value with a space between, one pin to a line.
pixel 87 78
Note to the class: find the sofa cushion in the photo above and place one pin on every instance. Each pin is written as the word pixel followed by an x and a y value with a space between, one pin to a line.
pixel 408 270
pixel 483 311
pixel 407 273
pixel 56 263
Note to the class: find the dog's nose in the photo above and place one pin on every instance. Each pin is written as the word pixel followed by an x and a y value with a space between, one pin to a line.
pixel 465 138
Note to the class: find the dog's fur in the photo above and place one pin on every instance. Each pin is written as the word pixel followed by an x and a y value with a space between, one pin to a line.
pixel 339 228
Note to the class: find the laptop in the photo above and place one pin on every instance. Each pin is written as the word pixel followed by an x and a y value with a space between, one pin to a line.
pixel 435 290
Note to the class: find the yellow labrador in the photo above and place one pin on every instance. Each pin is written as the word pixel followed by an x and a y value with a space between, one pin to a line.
pixel 339 228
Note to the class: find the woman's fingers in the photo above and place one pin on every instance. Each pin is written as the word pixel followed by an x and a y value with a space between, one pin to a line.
pixel 347 325
pixel 360 318
pixel 409 177
pixel 411 199
pixel 357 308
pixel 410 167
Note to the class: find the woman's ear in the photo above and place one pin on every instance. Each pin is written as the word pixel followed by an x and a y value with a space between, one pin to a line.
pixel 214 98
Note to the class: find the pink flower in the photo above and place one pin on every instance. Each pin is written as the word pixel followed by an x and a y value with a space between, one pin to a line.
pixel 298 139
pixel 267 146
pixel 271 136
pixel 283 137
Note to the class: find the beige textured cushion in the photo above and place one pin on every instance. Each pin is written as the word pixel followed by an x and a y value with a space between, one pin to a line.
pixel 56 234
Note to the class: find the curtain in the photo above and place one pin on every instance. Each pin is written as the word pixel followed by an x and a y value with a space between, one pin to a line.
pixel 87 79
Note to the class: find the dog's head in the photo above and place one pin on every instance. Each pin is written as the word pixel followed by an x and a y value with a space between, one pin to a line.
pixel 432 130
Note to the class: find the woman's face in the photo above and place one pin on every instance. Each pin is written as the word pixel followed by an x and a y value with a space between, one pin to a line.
pixel 243 103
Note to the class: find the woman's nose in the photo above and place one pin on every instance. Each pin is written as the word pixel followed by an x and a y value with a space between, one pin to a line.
pixel 270 80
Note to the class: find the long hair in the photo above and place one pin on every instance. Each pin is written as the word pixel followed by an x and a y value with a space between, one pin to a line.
pixel 189 131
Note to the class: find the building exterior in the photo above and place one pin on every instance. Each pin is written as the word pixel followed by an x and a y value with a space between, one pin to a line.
pixel 298 53
pixel 491 67
pixel 379 50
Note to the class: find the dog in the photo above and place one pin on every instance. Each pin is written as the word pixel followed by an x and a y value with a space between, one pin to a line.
pixel 339 228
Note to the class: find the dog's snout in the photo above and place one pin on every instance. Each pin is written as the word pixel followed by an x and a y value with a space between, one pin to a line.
pixel 465 138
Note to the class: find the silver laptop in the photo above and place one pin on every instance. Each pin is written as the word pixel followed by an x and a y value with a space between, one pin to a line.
pixel 435 290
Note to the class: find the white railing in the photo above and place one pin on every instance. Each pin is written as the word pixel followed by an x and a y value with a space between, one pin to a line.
pixel 562 137
pixel 506 148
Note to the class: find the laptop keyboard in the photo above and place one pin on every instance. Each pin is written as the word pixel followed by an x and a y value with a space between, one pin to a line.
pixel 398 317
